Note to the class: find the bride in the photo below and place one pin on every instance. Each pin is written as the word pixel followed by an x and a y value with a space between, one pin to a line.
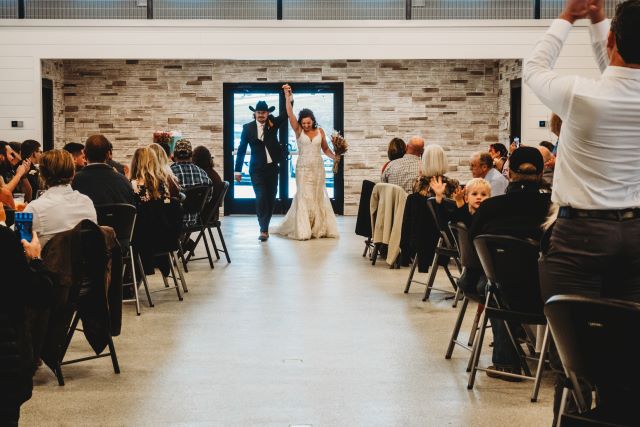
pixel 311 214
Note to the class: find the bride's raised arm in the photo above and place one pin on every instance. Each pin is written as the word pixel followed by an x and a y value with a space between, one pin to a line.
pixel 325 147
pixel 292 117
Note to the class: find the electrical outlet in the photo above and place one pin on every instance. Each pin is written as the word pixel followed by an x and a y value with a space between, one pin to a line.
pixel 17 124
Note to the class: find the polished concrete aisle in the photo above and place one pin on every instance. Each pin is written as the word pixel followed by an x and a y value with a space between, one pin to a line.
pixel 289 333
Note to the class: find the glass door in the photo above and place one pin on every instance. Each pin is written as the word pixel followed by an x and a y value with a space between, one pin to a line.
pixel 325 100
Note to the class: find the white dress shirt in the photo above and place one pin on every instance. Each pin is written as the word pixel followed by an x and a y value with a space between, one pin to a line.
pixel 59 209
pixel 498 182
pixel 598 163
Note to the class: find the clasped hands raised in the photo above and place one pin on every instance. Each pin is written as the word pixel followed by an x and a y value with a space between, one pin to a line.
pixel 581 9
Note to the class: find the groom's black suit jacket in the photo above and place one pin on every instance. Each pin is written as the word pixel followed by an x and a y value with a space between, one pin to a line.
pixel 258 148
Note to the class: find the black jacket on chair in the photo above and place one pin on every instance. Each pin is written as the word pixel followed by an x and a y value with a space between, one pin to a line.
pixel 249 137
pixel 24 287
pixel 363 223
pixel 420 232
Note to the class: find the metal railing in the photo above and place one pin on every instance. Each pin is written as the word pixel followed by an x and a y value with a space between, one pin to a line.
pixel 285 9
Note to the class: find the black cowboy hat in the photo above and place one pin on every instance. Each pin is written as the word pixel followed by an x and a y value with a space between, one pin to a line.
pixel 262 106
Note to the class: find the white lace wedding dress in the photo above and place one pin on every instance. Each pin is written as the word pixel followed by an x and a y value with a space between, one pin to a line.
pixel 310 214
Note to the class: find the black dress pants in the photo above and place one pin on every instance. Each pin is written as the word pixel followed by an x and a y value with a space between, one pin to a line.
pixel 265 185
pixel 592 257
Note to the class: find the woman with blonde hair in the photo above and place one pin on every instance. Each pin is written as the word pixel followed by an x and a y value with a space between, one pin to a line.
pixel 147 177
pixel 164 164
pixel 159 215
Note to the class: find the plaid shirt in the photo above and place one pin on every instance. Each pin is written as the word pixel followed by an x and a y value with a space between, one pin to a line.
pixel 403 172
pixel 189 175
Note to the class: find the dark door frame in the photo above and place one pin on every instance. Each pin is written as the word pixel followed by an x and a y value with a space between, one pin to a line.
pixel 47 115
pixel 248 206
pixel 515 109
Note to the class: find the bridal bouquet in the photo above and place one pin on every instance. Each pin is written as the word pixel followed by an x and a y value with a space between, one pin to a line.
pixel 340 147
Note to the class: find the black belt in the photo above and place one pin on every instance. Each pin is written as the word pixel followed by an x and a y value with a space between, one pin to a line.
pixel 612 215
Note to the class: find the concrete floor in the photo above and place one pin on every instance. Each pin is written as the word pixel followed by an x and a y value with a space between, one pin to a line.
pixel 289 334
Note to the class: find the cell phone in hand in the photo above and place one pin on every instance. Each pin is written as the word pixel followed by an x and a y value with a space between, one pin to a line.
pixel 23 222
pixel 516 141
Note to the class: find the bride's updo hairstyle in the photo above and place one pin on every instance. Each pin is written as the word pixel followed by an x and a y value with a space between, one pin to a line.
pixel 304 113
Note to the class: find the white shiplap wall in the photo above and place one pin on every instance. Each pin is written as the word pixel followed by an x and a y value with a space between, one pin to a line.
pixel 24 43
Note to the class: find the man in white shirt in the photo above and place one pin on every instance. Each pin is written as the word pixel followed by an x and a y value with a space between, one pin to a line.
pixel 481 166
pixel 593 247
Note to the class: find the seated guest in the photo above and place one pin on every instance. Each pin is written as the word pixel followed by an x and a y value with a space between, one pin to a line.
pixel 204 160
pixel 404 171
pixel 77 151
pixel 519 213
pixel 98 180
pixel 117 166
pixel 549 162
pixel 188 174
pixel 499 154
pixel 59 208
pixel 396 150
pixel 24 285
pixel 468 201
pixel 548 145
pixel 31 150
pixel 12 174
pixel 481 166
pixel 420 232
pixel 155 210
pixel 165 165
pixel 148 180
pixel 434 164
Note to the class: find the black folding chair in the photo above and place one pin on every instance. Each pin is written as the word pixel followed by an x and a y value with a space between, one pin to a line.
pixel 157 239
pixel 195 204
pixel 122 218
pixel 468 260
pixel 363 222
pixel 513 295
pixel 594 343
pixel 89 290
pixel 212 212
pixel 445 249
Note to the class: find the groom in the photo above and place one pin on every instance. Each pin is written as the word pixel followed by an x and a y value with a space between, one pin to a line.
pixel 266 152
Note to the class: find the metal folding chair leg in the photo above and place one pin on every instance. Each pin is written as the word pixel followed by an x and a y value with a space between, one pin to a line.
pixel 456 329
pixel 476 320
pixel 477 348
pixel 175 281
pixel 144 279
pixel 414 264
pixel 177 266
pixel 135 283
pixel 213 242
pixel 432 274
pixel 224 244
pixel 543 353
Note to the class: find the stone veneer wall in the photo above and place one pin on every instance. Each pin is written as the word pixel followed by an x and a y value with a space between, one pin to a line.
pixel 510 69
pixel 454 103
pixel 54 70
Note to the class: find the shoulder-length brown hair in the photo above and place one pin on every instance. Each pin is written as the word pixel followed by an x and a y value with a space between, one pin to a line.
pixel 56 168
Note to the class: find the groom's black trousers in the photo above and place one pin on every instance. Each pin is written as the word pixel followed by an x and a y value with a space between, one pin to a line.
pixel 265 185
